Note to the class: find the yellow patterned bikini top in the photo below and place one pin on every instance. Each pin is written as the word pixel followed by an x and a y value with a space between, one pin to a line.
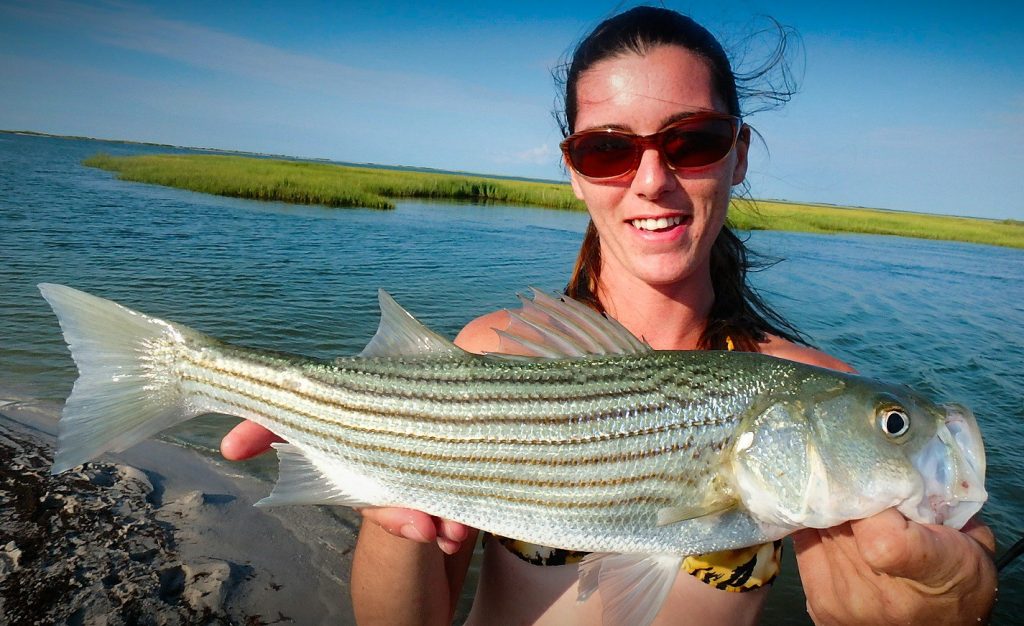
pixel 743 569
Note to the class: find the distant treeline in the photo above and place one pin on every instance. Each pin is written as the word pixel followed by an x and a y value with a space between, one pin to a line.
pixel 304 182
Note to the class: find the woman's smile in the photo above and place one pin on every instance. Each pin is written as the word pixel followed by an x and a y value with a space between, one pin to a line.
pixel 656 223
pixel 661 227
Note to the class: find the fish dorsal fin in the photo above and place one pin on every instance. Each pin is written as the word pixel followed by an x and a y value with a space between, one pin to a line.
pixel 633 586
pixel 560 327
pixel 401 334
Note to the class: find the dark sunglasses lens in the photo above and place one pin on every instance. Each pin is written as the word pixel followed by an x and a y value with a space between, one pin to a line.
pixel 602 155
pixel 698 144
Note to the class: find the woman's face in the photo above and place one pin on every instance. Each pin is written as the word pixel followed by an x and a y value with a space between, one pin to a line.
pixel 642 94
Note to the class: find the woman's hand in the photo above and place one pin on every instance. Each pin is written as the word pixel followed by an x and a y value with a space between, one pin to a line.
pixel 889 570
pixel 246 440
pixel 249 439
pixel 419 527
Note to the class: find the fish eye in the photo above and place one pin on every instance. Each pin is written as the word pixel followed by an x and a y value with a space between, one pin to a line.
pixel 894 422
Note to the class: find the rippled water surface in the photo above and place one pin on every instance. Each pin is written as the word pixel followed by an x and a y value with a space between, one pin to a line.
pixel 945 318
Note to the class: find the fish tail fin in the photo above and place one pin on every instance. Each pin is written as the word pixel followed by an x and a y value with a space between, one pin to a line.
pixel 126 390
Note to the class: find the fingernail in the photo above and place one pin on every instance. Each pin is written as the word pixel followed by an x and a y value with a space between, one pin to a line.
pixel 409 531
pixel 447 546
pixel 454 532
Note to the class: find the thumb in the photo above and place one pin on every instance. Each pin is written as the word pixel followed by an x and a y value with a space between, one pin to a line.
pixel 893 545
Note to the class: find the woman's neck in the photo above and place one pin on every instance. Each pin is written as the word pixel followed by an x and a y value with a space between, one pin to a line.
pixel 668 317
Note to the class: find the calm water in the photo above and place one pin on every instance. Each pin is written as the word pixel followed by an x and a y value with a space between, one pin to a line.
pixel 945 318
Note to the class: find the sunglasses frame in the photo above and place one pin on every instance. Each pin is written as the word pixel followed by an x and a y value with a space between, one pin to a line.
pixel 642 143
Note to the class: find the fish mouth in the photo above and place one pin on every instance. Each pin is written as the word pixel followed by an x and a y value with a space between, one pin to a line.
pixel 952 465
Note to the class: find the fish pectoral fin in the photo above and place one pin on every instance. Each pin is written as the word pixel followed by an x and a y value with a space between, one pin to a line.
pixel 300 481
pixel 683 512
pixel 401 334
pixel 633 586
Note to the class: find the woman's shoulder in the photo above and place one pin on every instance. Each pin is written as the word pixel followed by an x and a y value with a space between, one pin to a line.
pixel 785 349
pixel 479 336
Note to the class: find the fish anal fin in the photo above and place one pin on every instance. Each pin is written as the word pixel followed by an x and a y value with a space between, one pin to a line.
pixel 301 481
pixel 633 586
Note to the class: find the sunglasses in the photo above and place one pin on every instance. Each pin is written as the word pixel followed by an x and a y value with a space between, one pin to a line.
pixel 693 142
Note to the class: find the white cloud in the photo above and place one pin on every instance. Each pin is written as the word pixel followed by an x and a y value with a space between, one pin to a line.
pixel 139 30
pixel 543 154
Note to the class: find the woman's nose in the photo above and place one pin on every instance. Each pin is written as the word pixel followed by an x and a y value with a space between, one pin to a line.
pixel 653 176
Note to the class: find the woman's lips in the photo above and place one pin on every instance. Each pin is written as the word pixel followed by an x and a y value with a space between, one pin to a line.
pixel 659 224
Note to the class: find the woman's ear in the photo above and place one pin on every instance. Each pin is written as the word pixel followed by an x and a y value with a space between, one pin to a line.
pixel 742 147
pixel 574 180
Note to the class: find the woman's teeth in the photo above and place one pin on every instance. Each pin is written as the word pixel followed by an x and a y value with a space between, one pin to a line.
pixel 657 224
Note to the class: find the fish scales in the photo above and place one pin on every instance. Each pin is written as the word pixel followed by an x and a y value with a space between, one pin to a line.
pixel 484 438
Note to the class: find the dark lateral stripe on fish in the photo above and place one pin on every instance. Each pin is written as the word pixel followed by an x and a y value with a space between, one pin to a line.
pixel 331 436
pixel 329 433
pixel 474 368
pixel 628 399
pixel 479 378
pixel 402 475
pixel 657 501
pixel 331 404
pixel 533 482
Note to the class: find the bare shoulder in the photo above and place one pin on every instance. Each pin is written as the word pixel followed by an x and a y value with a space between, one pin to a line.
pixel 785 349
pixel 479 336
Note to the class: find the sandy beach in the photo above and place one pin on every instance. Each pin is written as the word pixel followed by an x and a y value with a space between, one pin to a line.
pixel 158 534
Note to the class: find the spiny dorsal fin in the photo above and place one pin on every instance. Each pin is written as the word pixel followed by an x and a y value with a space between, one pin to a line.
pixel 560 327
pixel 401 334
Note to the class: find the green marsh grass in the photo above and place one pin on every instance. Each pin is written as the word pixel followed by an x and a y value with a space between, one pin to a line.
pixel 304 182
pixel 816 218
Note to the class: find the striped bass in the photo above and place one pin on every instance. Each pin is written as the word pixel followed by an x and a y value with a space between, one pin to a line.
pixel 594 443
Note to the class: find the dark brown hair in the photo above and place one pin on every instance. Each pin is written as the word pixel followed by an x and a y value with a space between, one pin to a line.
pixel 738 315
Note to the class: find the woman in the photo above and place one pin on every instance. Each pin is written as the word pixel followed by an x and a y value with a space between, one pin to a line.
pixel 658 258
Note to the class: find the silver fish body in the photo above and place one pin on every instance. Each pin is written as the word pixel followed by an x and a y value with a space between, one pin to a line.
pixel 627 451
pixel 580 453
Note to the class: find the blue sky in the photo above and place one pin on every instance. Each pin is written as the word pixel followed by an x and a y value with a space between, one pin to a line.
pixel 917 108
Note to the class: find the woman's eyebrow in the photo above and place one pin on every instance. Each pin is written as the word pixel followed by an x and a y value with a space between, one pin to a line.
pixel 682 115
pixel 613 126
pixel 671 119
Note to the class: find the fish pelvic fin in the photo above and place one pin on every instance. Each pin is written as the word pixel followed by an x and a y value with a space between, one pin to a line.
pixel 125 391
pixel 633 586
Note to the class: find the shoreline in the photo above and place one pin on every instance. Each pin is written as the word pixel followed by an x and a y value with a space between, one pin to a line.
pixel 336 184
pixel 158 534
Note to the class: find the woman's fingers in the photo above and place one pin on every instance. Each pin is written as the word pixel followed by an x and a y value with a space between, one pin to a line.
pixel 246 441
pixel 418 526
